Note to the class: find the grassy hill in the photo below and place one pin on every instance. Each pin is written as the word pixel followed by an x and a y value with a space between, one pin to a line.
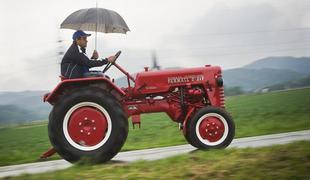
pixel 28 106
pixel 252 79
pixel 253 114
pixel 297 64
pixel 15 114
pixel 303 82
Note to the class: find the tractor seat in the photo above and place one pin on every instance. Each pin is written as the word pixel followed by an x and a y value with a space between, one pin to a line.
pixel 95 74
pixel 88 75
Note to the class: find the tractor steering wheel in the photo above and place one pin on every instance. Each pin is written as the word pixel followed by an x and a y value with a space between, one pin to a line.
pixel 110 64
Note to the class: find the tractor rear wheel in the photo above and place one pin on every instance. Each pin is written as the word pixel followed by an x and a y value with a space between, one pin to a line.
pixel 210 127
pixel 87 124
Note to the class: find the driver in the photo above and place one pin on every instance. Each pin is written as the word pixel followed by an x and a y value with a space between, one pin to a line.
pixel 75 63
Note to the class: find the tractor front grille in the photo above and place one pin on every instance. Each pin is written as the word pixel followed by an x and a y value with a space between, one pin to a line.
pixel 222 97
pixel 221 91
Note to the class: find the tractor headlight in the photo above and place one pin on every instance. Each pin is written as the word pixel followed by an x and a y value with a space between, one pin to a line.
pixel 219 81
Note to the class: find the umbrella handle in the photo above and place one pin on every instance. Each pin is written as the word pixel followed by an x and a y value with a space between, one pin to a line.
pixel 96 39
pixel 96 25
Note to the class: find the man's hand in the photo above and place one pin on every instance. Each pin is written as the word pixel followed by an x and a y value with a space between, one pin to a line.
pixel 95 55
pixel 111 59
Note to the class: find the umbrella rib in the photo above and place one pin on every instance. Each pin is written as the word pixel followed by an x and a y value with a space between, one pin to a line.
pixel 85 18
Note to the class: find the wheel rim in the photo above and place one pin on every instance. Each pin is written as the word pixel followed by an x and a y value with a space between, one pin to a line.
pixel 87 126
pixel 212 129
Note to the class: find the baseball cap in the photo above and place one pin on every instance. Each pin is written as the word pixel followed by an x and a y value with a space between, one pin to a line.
pixel 78 34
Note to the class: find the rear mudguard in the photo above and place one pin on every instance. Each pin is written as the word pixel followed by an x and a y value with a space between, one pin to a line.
pixel 74 83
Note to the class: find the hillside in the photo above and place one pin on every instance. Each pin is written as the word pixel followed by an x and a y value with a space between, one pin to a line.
pixel 23 106
pixel 303 82
pixel 300 65
pixel 14 114
pixel 252 79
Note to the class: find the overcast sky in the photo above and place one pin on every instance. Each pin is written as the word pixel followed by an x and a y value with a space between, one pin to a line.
pixel 182 33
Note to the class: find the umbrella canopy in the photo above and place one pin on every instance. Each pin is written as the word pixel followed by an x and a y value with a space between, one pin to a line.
pixel 95 19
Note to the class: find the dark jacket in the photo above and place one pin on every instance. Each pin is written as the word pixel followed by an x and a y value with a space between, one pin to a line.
pixel 73 63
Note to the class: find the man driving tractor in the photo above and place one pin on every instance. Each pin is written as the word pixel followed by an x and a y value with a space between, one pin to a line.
pixel 89 119
pixel 75 63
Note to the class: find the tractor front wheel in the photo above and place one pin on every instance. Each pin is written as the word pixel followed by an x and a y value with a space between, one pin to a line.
pixel 87 124
pixel 210 127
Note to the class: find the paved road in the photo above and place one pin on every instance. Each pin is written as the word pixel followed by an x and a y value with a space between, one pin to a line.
pixel 156 153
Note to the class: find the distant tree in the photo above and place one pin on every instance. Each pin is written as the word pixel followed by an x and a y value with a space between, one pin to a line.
pixel 303 82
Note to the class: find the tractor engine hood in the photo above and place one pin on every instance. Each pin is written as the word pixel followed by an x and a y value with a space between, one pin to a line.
pixel 161 81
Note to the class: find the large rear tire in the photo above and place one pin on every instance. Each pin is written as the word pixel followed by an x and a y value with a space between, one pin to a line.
pixel 87 124
pixel 210 128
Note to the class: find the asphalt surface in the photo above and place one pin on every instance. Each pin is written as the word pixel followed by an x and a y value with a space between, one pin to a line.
pixel 156 153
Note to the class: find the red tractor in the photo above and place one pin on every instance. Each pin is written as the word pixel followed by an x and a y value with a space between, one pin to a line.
pixel 90 115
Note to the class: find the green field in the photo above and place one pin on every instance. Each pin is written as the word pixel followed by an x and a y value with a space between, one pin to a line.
pixel 291 161
pixel 253 114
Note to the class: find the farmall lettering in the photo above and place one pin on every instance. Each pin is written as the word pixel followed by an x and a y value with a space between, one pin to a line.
pixel 185 79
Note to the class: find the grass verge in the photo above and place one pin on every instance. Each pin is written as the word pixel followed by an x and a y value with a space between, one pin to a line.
pixel 290 161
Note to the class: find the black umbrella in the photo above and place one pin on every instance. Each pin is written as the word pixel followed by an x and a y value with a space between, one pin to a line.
pixel 97 20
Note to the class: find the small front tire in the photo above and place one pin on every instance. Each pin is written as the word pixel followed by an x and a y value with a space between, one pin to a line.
pixel 210 127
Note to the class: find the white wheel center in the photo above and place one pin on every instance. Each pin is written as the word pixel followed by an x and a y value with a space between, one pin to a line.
pixel 205 141
pixel 80 145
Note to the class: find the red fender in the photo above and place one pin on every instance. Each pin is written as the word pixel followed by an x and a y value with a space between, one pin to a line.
pixel 69 83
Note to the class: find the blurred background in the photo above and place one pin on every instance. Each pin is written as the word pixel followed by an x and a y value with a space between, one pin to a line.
pixel 263 47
